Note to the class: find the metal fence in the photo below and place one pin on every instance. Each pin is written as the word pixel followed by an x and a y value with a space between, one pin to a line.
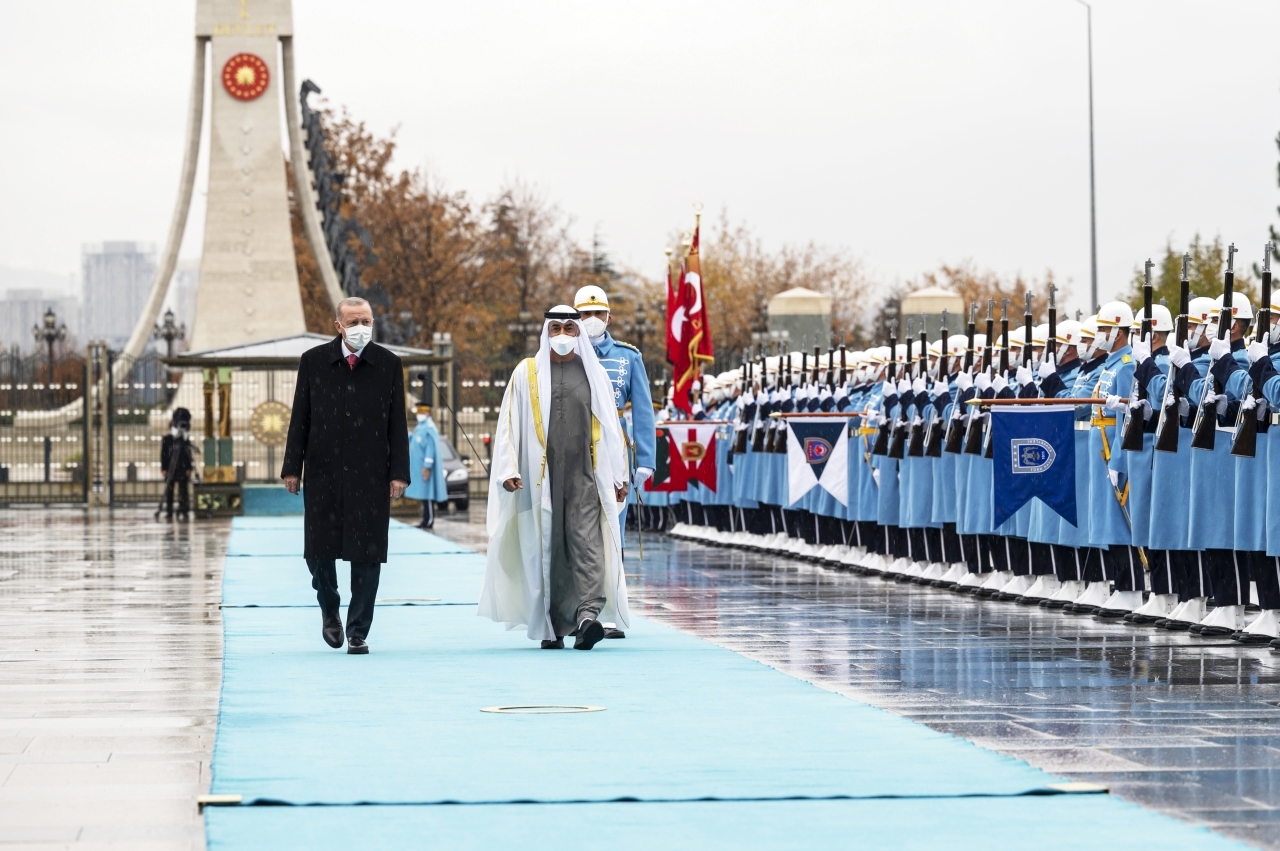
pixel 138 408
pixel 42 428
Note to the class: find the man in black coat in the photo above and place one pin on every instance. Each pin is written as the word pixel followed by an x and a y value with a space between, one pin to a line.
pixel 349 435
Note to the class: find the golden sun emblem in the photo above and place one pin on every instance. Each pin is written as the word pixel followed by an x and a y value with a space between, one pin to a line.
pixel 270 423
pixel 245 76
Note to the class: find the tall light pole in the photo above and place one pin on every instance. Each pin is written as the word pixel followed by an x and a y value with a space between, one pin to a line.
pixel 1093 203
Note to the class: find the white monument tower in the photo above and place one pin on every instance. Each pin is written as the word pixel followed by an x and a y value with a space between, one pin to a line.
pixel 248 289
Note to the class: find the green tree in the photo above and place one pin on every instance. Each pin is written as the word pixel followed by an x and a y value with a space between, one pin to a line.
pixel 1204 274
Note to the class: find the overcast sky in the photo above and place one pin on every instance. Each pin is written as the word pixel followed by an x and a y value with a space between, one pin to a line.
pixel 910 133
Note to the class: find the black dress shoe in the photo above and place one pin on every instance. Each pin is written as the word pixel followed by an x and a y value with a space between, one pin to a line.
pixel 1252 637
pixel 1178 626
pixel 589 634
pixel 548 644
pixel 1215 632
pixel 614 632
pixel 332 630
pixel 357 647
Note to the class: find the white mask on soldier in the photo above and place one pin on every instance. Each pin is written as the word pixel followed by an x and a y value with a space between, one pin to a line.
pixel 594 327
pixel 562 344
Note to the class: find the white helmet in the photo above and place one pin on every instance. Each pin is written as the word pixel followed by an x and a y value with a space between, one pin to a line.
pixel 1088 344
pixel 957 344
pixel 1161 320
pixel 1240 307
pixel 591 297
pixel 1067 333
pixel 1199 328
pixel 1115 314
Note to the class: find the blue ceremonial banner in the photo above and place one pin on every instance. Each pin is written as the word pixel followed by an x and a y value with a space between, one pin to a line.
pixel 1034 450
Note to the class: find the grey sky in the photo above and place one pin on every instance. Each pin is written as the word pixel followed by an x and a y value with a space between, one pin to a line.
pixel 911 132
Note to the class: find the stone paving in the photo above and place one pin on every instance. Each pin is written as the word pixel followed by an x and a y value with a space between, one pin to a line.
pixel 110 663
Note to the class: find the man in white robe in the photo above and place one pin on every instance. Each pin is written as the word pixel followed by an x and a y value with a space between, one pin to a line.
pixel 557 481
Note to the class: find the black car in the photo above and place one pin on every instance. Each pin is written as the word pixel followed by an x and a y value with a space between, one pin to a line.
pixel 457 475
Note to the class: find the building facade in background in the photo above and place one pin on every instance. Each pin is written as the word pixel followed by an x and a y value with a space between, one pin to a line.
pixel 116 277
pixel 23 309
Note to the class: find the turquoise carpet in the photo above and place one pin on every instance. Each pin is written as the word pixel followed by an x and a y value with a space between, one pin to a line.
pixel 697 747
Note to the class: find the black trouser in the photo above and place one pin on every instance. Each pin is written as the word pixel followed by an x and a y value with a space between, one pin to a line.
pixel 1265 571
pixel 184 498
pixel 1123 566
pixel 1161 569
pixel 428 514
pixel 364 591
pixel 1228 578
pixel 1041 558
pixel 1066 563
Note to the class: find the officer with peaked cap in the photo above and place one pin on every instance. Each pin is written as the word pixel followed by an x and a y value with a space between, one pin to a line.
pixel 625 367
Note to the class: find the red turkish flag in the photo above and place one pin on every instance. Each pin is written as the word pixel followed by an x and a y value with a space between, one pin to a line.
pixel 688 333
pixel 694 450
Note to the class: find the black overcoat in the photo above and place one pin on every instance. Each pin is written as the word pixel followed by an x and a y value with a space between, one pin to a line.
pixel 348 438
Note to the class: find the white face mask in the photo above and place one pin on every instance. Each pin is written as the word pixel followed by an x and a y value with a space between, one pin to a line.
pixel 1273 336
pixel 594 327
pixel 562 344
pixel 358 336
pixel 422 418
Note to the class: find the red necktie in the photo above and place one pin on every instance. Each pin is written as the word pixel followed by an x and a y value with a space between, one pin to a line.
pixel 351 361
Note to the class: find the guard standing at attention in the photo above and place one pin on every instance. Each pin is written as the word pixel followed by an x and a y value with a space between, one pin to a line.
pixel 625 368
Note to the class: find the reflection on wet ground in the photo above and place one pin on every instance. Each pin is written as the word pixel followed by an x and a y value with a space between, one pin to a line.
pixel 1178 724
pixel 110 662
pixel 1175 723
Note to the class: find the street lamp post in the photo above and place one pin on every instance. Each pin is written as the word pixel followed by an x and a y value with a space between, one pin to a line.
pixel 526 327
pixel 170 332
pixel 50 333
pixel 1093 205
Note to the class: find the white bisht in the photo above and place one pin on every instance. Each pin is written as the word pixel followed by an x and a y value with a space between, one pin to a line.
pixel 517 578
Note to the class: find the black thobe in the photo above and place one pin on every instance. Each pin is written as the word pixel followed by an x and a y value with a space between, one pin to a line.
pixel 348 439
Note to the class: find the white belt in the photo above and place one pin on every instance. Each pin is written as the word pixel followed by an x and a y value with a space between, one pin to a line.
pixel 1275 419
pixel 1229 429
pixel 1083 425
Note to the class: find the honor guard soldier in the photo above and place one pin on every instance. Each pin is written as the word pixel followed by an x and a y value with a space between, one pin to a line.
pixel 625 367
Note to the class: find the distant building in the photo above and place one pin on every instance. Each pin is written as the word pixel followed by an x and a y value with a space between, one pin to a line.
pixel 23 309
pixel 117 278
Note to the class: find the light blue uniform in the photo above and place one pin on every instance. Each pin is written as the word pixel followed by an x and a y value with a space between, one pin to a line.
pixel 1138 464
pixel 424 452
pixel 625 367
pixel 1211 524
pixel 1086 381
pixel 1107 525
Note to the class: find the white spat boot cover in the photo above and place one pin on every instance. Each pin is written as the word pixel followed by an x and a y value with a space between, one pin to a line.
pixel 1267 623
pixel 1044 587
pixel 1123 601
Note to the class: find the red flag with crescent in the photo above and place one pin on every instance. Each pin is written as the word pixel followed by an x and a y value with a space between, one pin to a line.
pixel 688 332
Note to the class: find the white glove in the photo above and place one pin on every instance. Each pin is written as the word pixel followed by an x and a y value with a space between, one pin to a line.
pixel 1179 357
pixel 643 474
pixel 1114 476
pixel 887 389
pixel 1257 351
pixel 918 386
pixel 875 474
pixel 1218 348
pixel 1141 350
pixel 999 383
pixel 1113 403
pixel 1218 400
pixel 982 381
pixel 904 387
pixel 1047 367
pixel 1140 407
pixel 938 388
pixel 964 381
pixel 1023 375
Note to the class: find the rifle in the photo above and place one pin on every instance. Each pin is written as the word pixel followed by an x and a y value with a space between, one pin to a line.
pixel 915 449
pixel 1051 344
pixel 954 434
pixel 844 372
pixel 759 425
pixel 933 440
pixel 1205 427
pixel 897 440
pixel 740 436
pixel 973 431
pixel 1027 318
pixel 882 437
pixel 1167 428
pixel 1245 443
pixel 1135 426
pixel 987 451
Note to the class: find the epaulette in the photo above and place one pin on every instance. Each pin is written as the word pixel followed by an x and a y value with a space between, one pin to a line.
pixel 625 345
pixel 1125 358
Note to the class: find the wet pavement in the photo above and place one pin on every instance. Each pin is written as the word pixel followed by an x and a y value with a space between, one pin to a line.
pixel 1185 726
pixel 110 663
